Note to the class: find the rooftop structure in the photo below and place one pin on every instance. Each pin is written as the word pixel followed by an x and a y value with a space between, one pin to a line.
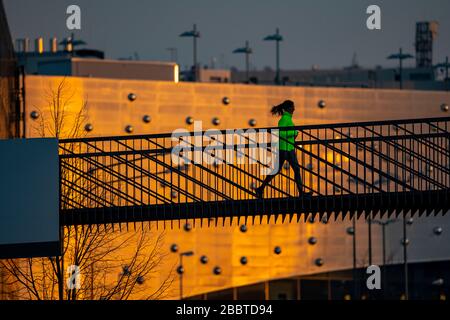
pixel 413 78
pixel 91 63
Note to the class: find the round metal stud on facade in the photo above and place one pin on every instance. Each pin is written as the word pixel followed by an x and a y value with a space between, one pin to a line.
pixel 147 118
pixel 174 248
pixel 140 280
pixel 319 262
pixel 129 129
pixel 189 120
pixel 34 115
pixel 244 260
pixel 226 101
pixel 405 242
pixel 204 259
pixel 187 227
pixel 180 270
pixel 216 121
pixel 410 221
pixel 88 127
pixel 252 122
pixel 183 167
pixel 132 97
pixel 277 250
pixel 444 107
pixel 126 270
pixel 350 231
pixel 91 170
pixel 174 194
pixel 243 228
pixel 312 240
pixel 437 231
pixel 217 271
pixel 321 104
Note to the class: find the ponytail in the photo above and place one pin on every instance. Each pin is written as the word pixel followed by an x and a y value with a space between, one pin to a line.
pixel 277 110
pixel 287 105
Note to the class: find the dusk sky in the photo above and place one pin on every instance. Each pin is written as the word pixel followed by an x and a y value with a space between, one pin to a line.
pixel 317 32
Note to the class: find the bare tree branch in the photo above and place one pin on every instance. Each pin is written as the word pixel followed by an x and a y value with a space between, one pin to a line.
pixel 100 254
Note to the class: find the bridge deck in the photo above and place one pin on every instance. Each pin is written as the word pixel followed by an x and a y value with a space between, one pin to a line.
pixel 377 205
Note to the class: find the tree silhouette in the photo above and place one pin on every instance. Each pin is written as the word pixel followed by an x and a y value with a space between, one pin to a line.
pixel 112 265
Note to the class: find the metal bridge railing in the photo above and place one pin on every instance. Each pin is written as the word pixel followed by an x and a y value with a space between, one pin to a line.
pixel 122 179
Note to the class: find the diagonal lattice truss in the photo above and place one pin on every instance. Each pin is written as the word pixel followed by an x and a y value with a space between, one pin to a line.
pixel 370 168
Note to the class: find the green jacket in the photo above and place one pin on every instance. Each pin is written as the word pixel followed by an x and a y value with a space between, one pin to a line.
pixel 289 135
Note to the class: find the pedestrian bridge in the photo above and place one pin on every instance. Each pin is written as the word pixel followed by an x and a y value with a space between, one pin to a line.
pixel 380 168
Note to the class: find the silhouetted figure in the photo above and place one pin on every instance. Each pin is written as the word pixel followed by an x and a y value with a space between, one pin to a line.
pixel 286 146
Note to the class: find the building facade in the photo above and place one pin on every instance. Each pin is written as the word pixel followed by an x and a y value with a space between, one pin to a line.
pixel 114 105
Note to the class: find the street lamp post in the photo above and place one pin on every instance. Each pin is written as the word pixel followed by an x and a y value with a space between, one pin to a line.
pixel 180 269
pixel 383 225
pixel 247 51
pixel 400 56
pixel 355 271
pixel 277 37
pixel 369 222
pixel 352 232
pixel 445 65
pixel 194 33
pixel 405 259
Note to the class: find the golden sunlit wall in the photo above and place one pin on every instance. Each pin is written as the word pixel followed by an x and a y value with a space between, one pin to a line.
pixel 114 105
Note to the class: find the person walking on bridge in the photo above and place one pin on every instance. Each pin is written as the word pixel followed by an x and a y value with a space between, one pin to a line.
pixel 286 147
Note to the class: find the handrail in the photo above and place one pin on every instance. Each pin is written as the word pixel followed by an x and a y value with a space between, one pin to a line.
pixel 302 127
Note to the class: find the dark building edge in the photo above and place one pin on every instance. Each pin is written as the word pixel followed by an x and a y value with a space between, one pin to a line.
pixel 9 79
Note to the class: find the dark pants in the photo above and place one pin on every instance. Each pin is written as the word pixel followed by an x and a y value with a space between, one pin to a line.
pixel 291 158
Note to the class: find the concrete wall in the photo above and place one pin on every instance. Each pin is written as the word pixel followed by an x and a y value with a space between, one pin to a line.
pixel 109 111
